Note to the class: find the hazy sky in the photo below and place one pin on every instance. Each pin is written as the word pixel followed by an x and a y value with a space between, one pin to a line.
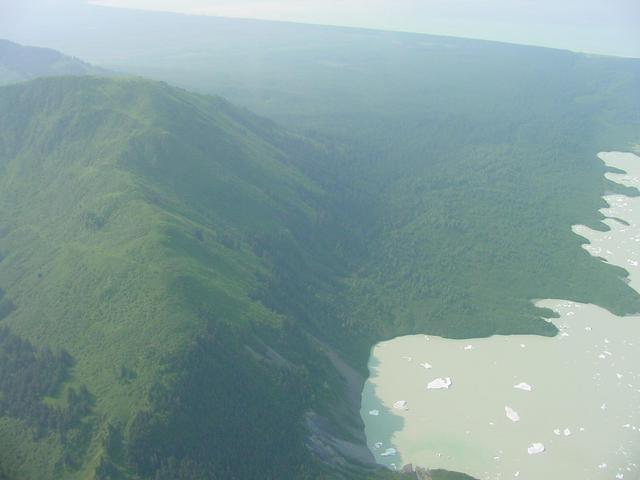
pixel 597 26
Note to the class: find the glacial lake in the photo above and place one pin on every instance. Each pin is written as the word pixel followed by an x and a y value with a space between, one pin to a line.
pixel 522 406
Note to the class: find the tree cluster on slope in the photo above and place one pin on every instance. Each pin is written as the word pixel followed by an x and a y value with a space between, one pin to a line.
pixel 28 374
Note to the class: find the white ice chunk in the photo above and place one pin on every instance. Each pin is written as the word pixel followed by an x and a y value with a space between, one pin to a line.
pixel 511 414
pixel 426 366
pixel 401 405
pixel 523 386
pixel 375 413
pixel 439 383
pixel 535 448
pixel 389 452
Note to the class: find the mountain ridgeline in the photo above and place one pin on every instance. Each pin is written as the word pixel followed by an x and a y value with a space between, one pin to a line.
pixel 19 63
pixel 191 291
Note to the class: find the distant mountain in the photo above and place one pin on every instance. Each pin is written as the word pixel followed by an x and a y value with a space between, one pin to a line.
pixel 19 63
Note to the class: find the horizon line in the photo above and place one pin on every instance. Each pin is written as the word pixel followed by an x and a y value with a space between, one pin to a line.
pixel 106 4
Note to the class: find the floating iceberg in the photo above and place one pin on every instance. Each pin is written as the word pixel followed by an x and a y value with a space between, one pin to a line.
pixel 375 413
pixel 566 432
pixel 425 365
pixel 469 347
pixel 535 448
pixel 439 383
pixel 511 414
pixel 401 405
pixel 523 386
pixel 389 452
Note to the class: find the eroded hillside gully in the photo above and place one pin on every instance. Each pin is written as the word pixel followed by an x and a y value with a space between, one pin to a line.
pixel 522 406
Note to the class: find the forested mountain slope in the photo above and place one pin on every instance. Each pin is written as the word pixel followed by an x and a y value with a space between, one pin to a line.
pixel 19 63
pixel 144 230
pixel 470 159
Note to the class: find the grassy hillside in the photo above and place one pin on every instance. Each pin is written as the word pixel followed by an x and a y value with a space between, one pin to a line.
pixel 19 63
